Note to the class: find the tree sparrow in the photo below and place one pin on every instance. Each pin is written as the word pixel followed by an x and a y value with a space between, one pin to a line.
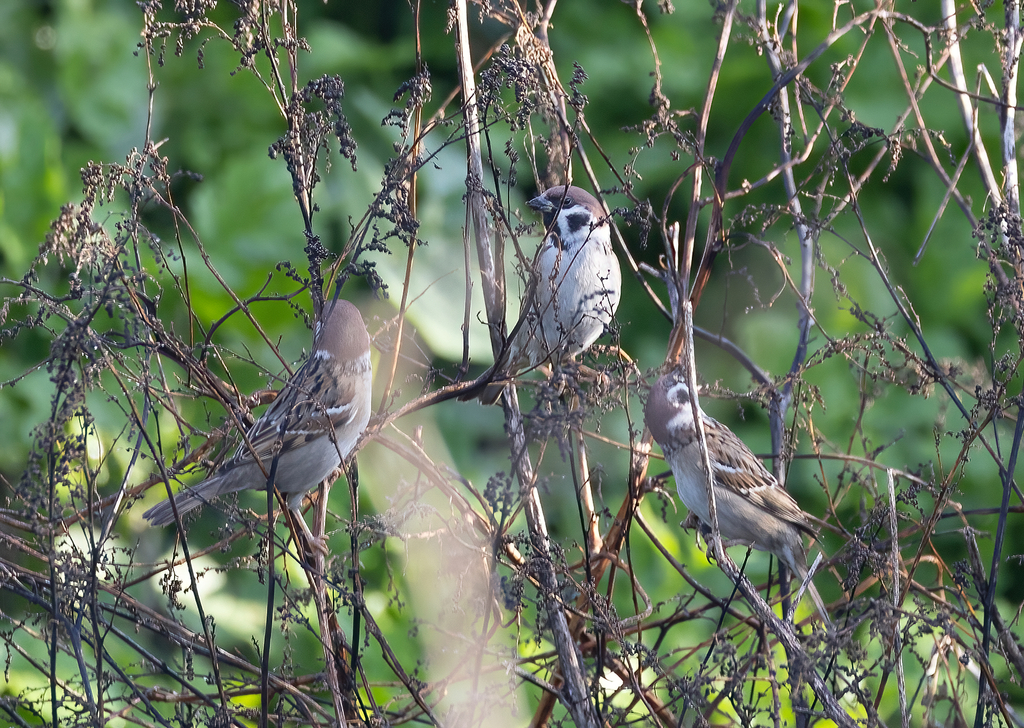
pixel 574 288
pixel 311 427
pixel 751 506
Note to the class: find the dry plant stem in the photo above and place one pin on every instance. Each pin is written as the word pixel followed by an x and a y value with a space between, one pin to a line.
pixel 613 543
pixel 982 670
pixel 491 280
pixel 773 677
pixel 780 401
pixel 990 590
pixel 898 127
pixel 574 692
pixel 179 218
pixel 912 95
pixel 414 154
pixel 787 637
pixel 951 191
pixel 112 514
pixel 1008 642
pixel 897 575
pixel 210 642
pixel 271 583
pixel 810 137
pixel 699 588
pixel 167 628
pixel 709 477
pixel 780 405
pixel 715 241
pixel 912 322
pixel 591 522
pixel 418 458
pixel 559 168
pixel 303 173
pixel 1011 46
pixel 702 128
pixel 943 497
pixel 689 367
pixel 400 328
pixel 647 696
pixel 314 565
pixel 36 596
pixel 415 687
pixel 782 630
pixel 963 100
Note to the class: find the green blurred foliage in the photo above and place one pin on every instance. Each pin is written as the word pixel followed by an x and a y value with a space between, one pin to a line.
pixel 73 89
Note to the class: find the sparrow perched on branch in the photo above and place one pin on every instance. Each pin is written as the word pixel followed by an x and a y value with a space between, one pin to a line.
pixel 311 427
pixel 751 506
pixel 574 288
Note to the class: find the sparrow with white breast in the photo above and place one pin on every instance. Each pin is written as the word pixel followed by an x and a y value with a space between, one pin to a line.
pixel 752 508
pixel 574 288
pixel 310 428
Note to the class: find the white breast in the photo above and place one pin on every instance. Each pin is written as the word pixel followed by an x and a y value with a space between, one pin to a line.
pixel 576 296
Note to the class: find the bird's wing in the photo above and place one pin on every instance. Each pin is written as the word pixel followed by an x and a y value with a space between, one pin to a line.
pixel 738 469
pixel 307 409
pixel 514 353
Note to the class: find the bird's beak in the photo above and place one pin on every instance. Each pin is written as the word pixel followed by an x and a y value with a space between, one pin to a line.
pixel 541 204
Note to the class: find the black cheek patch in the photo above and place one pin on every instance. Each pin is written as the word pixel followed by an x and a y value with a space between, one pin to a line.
pixel 577 220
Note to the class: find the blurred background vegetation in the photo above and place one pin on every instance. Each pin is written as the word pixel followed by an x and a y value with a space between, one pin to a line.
pixel 79 87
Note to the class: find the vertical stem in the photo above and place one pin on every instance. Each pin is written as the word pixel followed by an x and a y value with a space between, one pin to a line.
pixel 494 295
pixel 989 597
pixel 315 568
pixel 709 477
pixel 702 129
pixel 51 555
pixel 963 100
pixel 779 405
pixel 414 153
pixel 897 575
pixel 574 690
pixel 1008 111
pixel 268 627
pixel 574 693
pixel 592 530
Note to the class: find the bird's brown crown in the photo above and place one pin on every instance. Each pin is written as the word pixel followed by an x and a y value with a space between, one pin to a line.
pixel 341 331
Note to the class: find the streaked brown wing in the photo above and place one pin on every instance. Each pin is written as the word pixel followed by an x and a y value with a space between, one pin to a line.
pixel 741 471
pixel 302 416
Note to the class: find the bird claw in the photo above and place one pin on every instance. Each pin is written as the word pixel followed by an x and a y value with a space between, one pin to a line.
pixel 313 543
pixel 599 380
pixel 691 522
pixel 704 531
pixel 319 544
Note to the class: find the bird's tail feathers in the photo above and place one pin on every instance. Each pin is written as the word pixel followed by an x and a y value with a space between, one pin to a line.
pixel 805 575
pixel 189 499
pixel 484 388
pixel 818 602
pixel 492 392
